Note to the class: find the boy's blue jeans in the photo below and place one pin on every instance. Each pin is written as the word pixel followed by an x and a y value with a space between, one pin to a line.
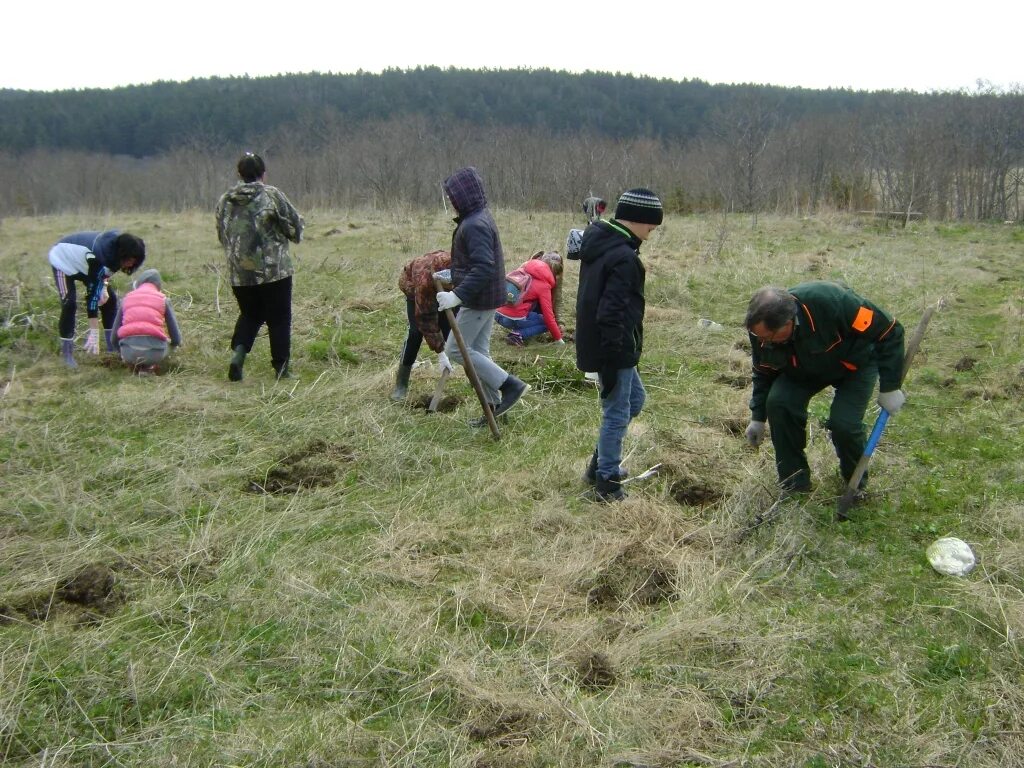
pixel 622 405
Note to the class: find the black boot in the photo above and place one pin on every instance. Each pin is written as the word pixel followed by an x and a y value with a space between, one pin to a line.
pixel 590 476
pixel 608 490
pixel 401 383
pixel 237 361
pixel 281 371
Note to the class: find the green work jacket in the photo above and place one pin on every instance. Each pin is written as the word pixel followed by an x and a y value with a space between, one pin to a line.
pixel 837 332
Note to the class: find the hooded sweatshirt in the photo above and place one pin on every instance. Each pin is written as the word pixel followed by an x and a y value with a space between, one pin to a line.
pixel 610 298
pixel 478 262
pixel 92 255
pixel 255 222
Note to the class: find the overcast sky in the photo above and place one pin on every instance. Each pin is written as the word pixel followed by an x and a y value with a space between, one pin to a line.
pixel 864 44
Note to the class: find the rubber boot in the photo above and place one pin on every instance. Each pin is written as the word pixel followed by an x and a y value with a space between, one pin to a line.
pixel 109 339
pixel 237 361
pixel 281 371
pixel 67 352
pixel 401 383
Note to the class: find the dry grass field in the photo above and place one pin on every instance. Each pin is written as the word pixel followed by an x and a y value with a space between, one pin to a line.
pixel 195 572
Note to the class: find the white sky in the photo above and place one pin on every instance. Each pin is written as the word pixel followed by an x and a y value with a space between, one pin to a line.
pixel 860 44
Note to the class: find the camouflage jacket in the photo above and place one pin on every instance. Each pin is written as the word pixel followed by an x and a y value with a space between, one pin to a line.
pixel 417 283
pixel 254 224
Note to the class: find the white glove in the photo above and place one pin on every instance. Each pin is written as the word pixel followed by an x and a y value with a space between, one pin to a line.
pixel 92 341
pixel 559 341
pixel 755 433
pixel 104 296
pixel 447 300
pixel 892 401
pixel 444 363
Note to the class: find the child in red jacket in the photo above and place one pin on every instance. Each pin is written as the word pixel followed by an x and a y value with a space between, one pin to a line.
pixel 537 309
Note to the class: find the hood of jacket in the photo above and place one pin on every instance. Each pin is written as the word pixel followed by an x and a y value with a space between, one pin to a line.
pixel 465 188
pixel 602 235
pixel 150 276
pixel 244 193
pixel 539 270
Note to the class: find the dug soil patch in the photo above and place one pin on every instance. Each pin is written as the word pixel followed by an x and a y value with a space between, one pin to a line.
pixel 89 594
pixel 318 464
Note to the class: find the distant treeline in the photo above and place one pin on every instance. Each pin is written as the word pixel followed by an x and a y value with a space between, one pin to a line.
pixel 542 138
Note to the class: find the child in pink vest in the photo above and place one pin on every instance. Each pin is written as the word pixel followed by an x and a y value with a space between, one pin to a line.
pixel 144 324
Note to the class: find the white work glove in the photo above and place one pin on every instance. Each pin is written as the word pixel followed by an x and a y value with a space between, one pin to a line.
pixel 892 401
pixel 559 341
pixel 444 363
pixel 104 296
pixel 92 341
pixel 447 300
pixel 755 433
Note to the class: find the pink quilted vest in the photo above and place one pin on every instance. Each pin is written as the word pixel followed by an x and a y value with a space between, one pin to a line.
pixel 142 313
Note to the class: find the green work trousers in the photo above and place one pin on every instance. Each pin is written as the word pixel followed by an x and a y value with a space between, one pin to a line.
pixel 787 417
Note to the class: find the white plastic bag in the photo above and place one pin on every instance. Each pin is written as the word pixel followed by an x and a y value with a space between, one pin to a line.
pixel 951 556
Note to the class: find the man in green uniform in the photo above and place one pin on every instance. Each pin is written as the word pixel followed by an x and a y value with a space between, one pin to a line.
pixel 807 338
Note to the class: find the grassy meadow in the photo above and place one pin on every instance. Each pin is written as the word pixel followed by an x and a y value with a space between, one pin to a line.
pixel 195 572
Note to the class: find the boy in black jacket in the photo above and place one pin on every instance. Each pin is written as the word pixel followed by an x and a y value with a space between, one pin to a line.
pixel 610 326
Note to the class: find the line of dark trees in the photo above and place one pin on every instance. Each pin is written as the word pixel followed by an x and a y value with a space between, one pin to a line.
pixel 542 139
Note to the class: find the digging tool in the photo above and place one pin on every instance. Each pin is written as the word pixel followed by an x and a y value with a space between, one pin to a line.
pixel 438 390
pixel 467 363
pixel 646 475
pixel 849 497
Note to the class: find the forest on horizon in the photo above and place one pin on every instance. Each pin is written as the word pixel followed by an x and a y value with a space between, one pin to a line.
pixel 542 139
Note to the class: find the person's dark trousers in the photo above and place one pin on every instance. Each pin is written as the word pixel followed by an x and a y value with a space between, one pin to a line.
pixel 269 303
pixel 787 417
pixel 413 338
pixel 69 296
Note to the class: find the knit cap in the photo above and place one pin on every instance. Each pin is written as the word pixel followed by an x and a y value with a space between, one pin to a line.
pixel 639 205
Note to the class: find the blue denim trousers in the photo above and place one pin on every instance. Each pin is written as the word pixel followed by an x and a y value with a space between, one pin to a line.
pixel 621 406
pixel 531 325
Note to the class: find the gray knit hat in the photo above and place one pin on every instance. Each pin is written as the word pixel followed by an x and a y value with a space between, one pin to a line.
pixel 639 205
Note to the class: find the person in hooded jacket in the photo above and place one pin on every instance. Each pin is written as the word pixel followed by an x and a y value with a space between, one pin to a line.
pixel 144 324
pixel 610 327
pixel 255 223
pixel 536 310
pixel 91 258
pixel 478 280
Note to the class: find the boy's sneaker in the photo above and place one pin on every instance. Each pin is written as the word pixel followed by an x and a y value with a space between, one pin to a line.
pixel 511 391
pixel 515 339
